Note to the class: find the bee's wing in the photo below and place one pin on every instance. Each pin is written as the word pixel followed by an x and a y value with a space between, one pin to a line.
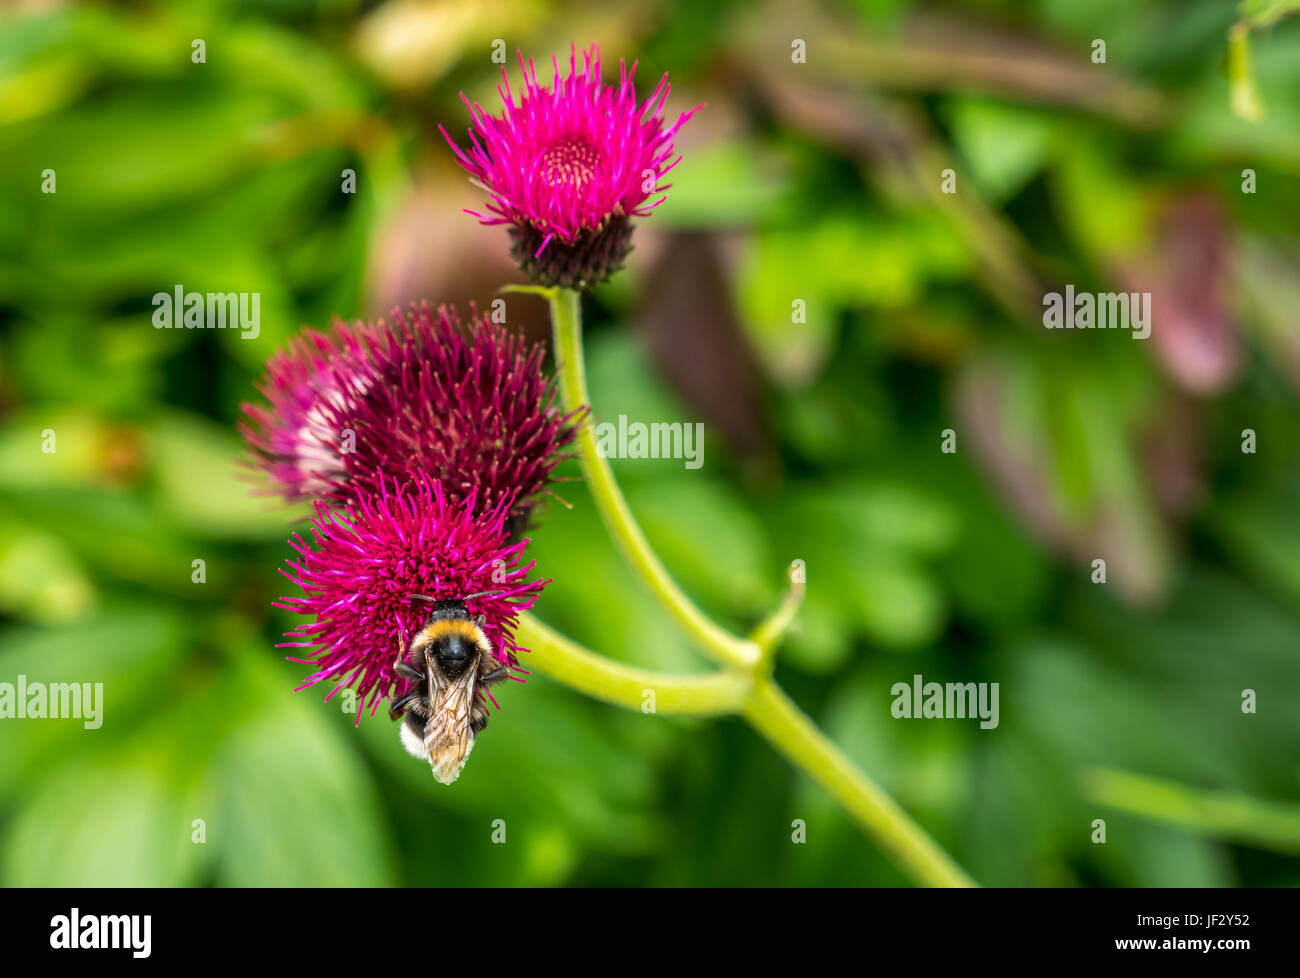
pixel 447 735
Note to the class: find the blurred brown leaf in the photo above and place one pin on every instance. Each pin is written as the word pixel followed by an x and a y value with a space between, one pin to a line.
pixel 696 341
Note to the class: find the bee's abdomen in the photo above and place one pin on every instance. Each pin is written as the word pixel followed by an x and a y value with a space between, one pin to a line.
pixel 412 733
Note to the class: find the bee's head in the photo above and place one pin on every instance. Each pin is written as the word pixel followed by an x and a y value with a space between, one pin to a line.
pixel 451 638
pixel 455 648
pixel 456 644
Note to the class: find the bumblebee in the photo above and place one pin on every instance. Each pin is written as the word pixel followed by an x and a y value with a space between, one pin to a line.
pixel 452 657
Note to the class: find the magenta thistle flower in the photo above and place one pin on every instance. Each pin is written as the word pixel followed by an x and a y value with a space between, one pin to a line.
pixel 474 412
pixel 364 564
pixel 569 166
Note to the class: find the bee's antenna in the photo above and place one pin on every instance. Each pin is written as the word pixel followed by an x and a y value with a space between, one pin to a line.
pixel 468 597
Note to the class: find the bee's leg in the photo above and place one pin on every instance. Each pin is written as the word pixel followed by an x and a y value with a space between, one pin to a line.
pixel 395 708
pixel 478 714
pixel 478 718
pixel 406 670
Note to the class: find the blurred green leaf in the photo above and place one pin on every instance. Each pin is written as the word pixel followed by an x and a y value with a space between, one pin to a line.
pixel 40 577
pixel 196 467
pixel 1007 145
pixel 731 184
pixel 297 808
pixel 139 836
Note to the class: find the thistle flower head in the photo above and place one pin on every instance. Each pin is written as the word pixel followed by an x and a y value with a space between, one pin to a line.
pixel 569 166
pixel 358 574
pixel 471 409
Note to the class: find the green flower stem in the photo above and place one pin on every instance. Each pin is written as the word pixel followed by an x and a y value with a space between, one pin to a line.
pixel 770 712
pixel 743 687
pixel 767 636
pixel 1243 91
pixel 567 662
pixel 1227 815
pixel 566 322
pixel 788 729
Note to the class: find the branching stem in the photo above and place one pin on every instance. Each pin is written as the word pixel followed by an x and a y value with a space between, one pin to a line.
pixel 743 686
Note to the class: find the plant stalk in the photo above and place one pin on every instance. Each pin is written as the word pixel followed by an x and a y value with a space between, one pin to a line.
pixel 566 324
pixel 567 662
pixel 743 686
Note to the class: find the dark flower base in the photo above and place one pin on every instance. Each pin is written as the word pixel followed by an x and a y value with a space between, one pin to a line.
pixel 593 256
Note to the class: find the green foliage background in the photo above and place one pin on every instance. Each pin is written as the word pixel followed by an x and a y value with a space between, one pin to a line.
pixel 814 181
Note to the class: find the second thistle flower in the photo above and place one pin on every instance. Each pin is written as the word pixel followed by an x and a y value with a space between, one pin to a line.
pixel 368 406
